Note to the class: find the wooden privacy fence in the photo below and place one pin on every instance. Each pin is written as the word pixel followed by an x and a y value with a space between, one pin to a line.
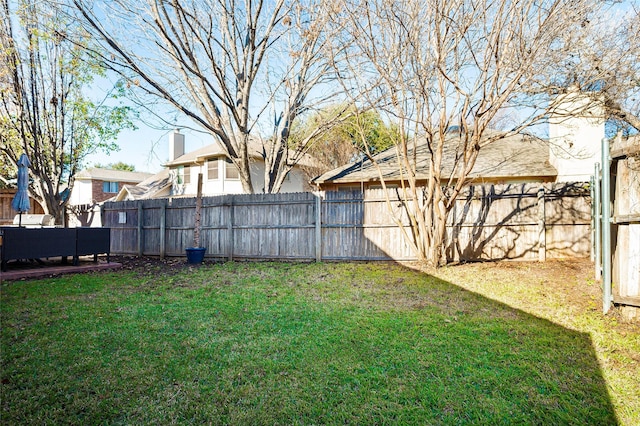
pixel 625 221
pixel 527 221
pixel 7 213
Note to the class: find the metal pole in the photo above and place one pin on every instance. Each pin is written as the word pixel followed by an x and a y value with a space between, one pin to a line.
pixel 597 234
pixel 542 234
pixel 606 227
pixel 592 195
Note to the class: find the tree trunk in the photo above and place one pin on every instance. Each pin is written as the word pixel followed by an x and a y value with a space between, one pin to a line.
pixel 197 219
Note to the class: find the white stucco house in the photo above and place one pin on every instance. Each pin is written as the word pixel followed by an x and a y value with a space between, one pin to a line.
pixel 92 187
pixel 95 185
pixel 219 174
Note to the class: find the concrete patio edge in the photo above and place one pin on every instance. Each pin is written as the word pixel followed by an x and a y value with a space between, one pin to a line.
pixel 39 271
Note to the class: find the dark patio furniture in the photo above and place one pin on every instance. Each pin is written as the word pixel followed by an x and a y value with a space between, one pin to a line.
pixel 92 241
pixel 37 243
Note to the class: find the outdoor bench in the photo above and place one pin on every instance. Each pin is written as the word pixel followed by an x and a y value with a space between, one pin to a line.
pixel 36 243
pixel 33 220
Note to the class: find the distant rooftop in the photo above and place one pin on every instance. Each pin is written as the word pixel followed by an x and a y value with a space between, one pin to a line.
pixel 200 155
pixel 112 175
pixel 519 155
pixel 148 188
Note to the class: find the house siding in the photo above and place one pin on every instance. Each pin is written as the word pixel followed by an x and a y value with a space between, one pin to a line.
pixel 222 185
pixel 97 189
pixel 91 191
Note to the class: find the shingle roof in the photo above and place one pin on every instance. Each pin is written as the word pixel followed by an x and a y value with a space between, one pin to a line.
pixel 515 156
pixel 215 150
pixel 148 188
pixel 112 175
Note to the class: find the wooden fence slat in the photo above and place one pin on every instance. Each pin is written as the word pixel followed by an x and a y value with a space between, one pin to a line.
pixel 625 249
pixel 163 232
pixel 527 221
pixel 230 245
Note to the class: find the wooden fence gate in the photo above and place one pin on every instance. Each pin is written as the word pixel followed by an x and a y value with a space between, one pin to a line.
pixel 625 221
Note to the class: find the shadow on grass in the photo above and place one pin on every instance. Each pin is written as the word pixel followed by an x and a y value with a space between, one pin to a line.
pixel 288 344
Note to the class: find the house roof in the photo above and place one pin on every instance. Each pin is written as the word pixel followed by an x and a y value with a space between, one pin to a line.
pixel 514 156
pixel 215 150
pixel 111 175
pixel 148 188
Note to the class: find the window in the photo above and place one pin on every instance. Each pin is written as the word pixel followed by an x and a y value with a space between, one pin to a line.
pixel 109 187
pixel 231 171
pixel 187 175
pixel 180 175
pixel 212 169
pixel 183 175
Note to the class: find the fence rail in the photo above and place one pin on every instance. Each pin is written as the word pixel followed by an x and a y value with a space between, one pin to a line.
pixel 6 211
pixel 625 222
pixel 527 221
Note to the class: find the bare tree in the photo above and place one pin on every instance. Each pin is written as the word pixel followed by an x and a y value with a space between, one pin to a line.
pixel 43 109
pixel 241 70
pixel 437 65
pixel 606 60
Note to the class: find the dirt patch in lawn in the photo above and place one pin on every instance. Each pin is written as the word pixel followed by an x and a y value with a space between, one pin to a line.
pixel 555 289
pixel 150 266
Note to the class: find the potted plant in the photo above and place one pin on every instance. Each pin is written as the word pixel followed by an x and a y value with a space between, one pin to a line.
pixel 195 254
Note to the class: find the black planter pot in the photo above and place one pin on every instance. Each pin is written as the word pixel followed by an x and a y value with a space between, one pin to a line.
pixel 195 255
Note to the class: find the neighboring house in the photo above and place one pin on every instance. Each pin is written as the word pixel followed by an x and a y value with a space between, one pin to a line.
pixel 155 186
pixel 516 159
pixel 95 185
pixel 570 153
pixel 219 174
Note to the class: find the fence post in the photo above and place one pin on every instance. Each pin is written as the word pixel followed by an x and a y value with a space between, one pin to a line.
pixel 140 218
pixel 318 238
pixel 230 229
pixel 592 196
pixel 163 226
pixel 597 206
pixel 103 213
pixel 542 234
pixel 605 217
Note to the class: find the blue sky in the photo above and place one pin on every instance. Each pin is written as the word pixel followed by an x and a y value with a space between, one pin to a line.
pixel 136 148
pixel 147 147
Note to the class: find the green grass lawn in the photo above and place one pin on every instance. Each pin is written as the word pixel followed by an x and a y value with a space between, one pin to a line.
pixel 281 343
